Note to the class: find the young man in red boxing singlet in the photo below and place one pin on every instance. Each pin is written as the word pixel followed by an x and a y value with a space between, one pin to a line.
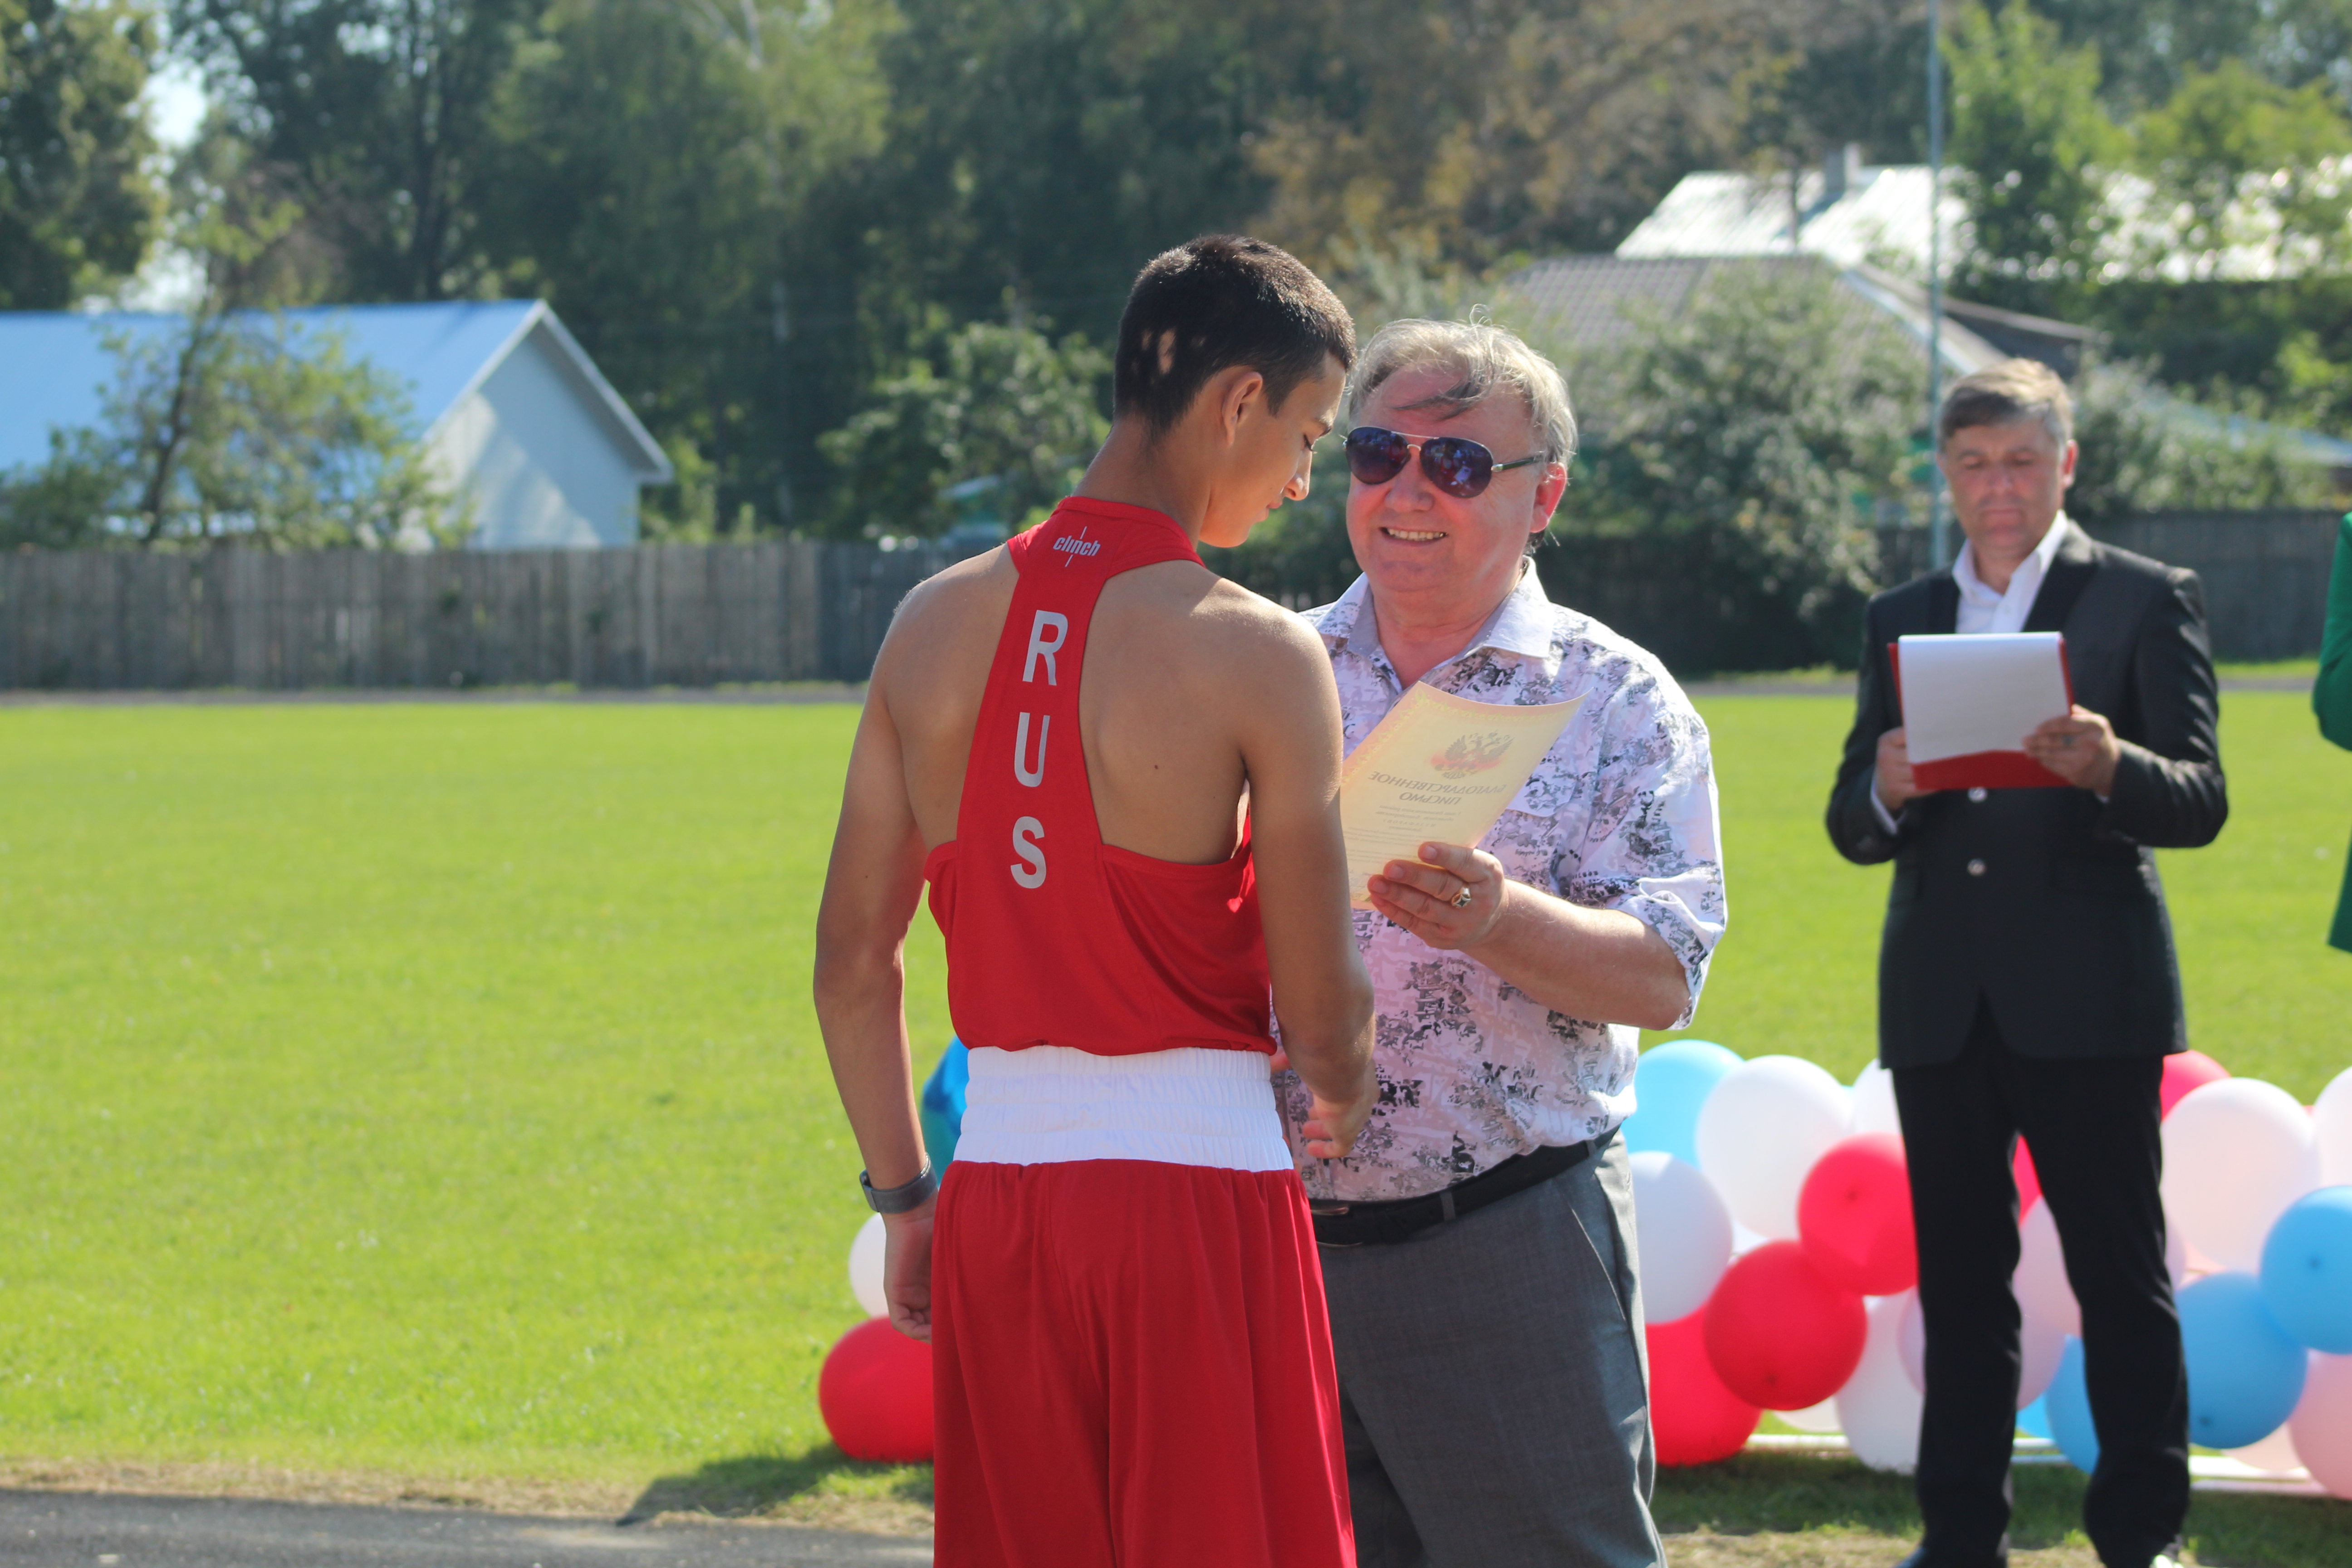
pixel 1120 774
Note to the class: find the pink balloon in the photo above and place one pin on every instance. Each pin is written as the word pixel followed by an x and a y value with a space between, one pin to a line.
pixel 2189 1069
pixel 1854 1216
pixel 874 1394
pixel 2322 1424
pixel 1780 1335
pixel 1693 1419
pixel 2040 1347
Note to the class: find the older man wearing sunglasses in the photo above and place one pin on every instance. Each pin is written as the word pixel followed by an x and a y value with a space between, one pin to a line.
pixel 1477 1242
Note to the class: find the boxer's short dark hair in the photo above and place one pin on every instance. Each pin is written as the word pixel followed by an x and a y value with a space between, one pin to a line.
pixel 1228 300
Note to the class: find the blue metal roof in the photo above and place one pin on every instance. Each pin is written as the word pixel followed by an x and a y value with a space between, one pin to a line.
pixel 54 364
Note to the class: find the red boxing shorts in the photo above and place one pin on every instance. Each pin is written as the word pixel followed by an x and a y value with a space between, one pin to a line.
pixel 1132 1356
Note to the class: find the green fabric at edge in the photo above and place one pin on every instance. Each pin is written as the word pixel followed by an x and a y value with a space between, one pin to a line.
pixel 2331 695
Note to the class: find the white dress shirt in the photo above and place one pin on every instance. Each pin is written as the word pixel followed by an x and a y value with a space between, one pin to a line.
pixel 1986 609
pixel 1983 609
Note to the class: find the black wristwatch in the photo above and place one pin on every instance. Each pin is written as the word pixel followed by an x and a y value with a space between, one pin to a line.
pixel 899 1200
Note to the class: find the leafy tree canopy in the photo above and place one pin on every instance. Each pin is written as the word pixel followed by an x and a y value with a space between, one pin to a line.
pixel 2229 140
pixel 1007 415
pixel 236 423
pixel 78 201
pixel 1763 424
pixel 2035 149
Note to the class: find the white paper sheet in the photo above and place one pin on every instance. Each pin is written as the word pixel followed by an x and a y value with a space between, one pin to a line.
pixel 1966 695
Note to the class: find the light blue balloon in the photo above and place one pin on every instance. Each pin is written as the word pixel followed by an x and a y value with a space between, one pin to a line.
pixel 2245 1372
pixel 2067 1406
pixel 941 1107
pixel 2035 1419
pixel 1670 1083
pixel 2307 1270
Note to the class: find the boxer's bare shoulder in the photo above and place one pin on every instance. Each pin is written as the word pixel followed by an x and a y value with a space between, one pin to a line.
pixel 932 674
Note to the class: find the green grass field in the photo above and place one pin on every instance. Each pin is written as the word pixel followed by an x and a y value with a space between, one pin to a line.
pixel 433 1088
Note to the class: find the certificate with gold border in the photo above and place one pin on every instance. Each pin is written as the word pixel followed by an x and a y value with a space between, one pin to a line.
pixel 1438 769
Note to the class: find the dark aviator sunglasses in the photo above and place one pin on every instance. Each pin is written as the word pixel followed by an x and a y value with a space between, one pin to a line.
pixel 1459 468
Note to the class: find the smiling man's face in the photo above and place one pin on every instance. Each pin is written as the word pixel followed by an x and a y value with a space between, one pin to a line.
pixel 1438 557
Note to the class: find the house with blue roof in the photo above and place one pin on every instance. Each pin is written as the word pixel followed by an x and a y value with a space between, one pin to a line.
pixel 513 415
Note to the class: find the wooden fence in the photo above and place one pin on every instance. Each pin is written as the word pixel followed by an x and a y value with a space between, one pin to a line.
pixel 2265 572
pixel 673 615
pixel 651 615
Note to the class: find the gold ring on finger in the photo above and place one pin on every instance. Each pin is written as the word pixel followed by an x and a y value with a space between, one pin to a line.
pixel 1461 900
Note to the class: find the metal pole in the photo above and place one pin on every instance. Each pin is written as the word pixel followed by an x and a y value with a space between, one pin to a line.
pixel 1936 522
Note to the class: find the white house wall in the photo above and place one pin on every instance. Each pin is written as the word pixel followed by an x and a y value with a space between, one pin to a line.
pixel 540 470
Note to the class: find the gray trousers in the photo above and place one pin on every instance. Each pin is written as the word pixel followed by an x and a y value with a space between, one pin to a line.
pixel 1494 1387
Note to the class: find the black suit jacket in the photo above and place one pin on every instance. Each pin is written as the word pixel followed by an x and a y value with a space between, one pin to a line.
pixel 2045 902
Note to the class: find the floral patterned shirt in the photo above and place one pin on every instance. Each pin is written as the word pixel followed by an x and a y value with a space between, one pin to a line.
pixel 1620 815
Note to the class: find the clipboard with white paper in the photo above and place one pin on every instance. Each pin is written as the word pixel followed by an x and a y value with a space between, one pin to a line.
pixel 1438 769
pixel 1969 700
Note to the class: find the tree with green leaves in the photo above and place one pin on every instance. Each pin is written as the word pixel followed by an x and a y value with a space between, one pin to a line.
pixel 78 201
pixel 2036 149
pixel 236 423
pixel 375 116
pixel 1484 128
pixel 1760 427
pixel 2146 448
pixel 249 428
pixel 2248 162
pixel 2148 48
pixel 1006 404
pixel 669 178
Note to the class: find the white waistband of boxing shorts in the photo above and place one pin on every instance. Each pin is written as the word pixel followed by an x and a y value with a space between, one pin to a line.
pixel 1188 1106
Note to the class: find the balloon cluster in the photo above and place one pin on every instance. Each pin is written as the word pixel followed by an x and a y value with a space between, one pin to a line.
pixel 1778 1265
pixel 875 1392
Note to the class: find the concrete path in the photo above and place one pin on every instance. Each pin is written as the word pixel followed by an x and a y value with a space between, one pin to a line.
pixel 90 1530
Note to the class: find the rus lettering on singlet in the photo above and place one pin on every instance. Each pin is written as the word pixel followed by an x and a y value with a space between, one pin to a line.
pixel 1046 635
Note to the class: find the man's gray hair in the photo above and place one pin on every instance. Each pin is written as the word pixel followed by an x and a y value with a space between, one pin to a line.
pixel 1483 359
pixel 2005 393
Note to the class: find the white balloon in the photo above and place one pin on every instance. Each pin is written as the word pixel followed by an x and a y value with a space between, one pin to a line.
pixel 1878 1408
pixel 2237 1152
pixel 2040 1280
pixel 1760 1132
pixel 1873 1103
pixel 2176 1257
pixel 1822 1417
pixel 2039 1347
pixel 866 1267
pixel 2273 1455
pixel 2331 1126
pixel 1744 1240
pixel 1911 1342
pixel 1682 1233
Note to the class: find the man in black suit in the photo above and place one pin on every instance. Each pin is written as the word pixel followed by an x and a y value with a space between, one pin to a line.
pixel 2026 977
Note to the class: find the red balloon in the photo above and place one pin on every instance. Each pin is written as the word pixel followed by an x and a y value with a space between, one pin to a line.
pixel 2189 1069
pixel 1854 1215
pixel 1778 1333
pixel 1693 1419
pixel 2029 1180
pixel 875 1394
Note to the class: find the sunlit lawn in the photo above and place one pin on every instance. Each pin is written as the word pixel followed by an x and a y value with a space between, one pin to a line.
pixel 433 1088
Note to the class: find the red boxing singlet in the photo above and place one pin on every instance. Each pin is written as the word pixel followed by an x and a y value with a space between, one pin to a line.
pixel 1053 936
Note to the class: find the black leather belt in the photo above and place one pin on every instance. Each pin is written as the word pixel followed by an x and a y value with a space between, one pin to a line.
pixel 1362 1224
